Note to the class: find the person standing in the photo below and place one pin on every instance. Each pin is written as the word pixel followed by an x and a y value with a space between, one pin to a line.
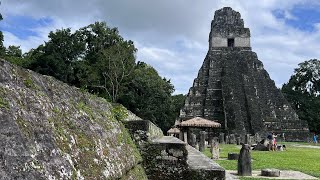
pixel 315 136
pixel 274 142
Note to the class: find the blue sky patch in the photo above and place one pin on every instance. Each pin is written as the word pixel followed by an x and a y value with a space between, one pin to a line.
pixel 22 26
pixel 305 17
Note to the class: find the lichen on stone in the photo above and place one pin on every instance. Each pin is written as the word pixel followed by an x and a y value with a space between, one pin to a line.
pixel 59 132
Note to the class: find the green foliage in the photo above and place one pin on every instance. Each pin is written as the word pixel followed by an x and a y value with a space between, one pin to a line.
pixel 29 83
pixel 58 56
pixel 14 55
pixel 119 112
pixel 149 96
pixel 136 173
pixel 2 48
pixel 178 103
pixel 14 51
pixel 294 158
pixel 97 59
pixel 303 90
pixel 25 127
pixel 4 103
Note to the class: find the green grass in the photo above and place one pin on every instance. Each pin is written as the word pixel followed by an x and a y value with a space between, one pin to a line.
pixel 306 160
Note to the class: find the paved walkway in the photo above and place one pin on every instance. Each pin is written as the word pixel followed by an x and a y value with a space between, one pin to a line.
pixel 306 146
pixel 284 174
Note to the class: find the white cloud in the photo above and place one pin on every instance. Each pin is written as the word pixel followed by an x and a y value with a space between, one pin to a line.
pixel 25 44
pixel 172 36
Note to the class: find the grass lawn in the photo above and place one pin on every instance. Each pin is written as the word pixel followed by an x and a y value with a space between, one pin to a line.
pixel 306 160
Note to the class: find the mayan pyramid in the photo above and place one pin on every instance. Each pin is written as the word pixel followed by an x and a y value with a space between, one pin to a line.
pixel 233 88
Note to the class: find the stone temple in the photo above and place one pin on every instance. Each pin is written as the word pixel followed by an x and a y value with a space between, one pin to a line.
pixel 233 88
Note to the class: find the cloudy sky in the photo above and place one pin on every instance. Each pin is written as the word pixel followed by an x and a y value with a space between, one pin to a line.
pixel 172 35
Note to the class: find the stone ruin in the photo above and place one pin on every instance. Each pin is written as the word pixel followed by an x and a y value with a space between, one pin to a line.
pixel 233 88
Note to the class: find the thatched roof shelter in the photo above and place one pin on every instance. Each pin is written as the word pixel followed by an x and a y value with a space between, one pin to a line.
pixel 173 131
pixel 200 122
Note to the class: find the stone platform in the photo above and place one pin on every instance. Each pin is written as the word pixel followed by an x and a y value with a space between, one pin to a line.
pixel 197 165
pixel 202 167
pixel 170 158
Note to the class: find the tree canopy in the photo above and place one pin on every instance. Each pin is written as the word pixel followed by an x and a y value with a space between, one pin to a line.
pixel 97 58
pixel 303 92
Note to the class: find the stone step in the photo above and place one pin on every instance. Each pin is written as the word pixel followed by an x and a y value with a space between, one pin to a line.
pixel 202 167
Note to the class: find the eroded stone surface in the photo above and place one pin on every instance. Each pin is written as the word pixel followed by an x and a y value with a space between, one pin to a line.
pixel 270 172
pixel 50 130
pixel 201 167
pixel 244 161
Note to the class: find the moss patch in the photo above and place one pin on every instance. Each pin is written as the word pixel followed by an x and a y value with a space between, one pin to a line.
pixel 136 173
pixel 119 112
pixel 4 103
pixel 25 127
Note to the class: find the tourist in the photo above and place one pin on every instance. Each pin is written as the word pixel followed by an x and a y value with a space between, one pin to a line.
pixel 274 142
pixel 315 136
pixel 269 137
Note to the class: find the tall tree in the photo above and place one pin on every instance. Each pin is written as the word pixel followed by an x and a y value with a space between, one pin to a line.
pixel 2 48
pixel 109 60
pixel 97 58
pixel 57 56
pixel 303 92
pixel 149 96
pixel 14 55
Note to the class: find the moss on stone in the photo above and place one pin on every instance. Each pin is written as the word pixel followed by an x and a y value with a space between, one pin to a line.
pixel 125 138
pixel 83 106
pixel 25 127
pixel 4 103
pixel 81 132
pixel 29 83
pixel 119 112
pixel 136 173
pixel 56 110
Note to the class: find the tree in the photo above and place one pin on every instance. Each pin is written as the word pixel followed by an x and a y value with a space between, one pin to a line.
pixel 303 91
pixel 177 103
pixel 149 96
pixel 58 56
pixel 98 59
pixel 2 48
pixel 109 61
pixel 14 55
pixel 94 57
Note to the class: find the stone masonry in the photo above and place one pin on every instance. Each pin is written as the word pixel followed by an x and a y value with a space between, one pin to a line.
pixel 233 88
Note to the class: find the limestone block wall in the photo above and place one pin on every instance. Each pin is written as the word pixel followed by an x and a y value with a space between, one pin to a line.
pixel 242 42
pixel 50 130
pixel 223 42
pixel 219 42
